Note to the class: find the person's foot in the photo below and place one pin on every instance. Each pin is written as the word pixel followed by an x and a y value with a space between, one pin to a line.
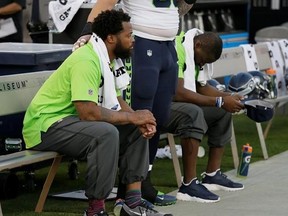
pixel 164 199
pixel 153 196
pixel 220 182
pixel 195 191
pixel 102 213
pixel 140 210
pixel 120 202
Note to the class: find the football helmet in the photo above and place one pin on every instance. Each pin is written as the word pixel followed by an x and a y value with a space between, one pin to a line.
pixel 216 84
pixel 242 83
pixel 262 81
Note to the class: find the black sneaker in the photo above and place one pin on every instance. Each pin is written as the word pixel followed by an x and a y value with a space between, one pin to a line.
pixel 195 191
pixel 140 211
pixel 102 213
pixel 153 196
pixel 164 199
pixel 220 182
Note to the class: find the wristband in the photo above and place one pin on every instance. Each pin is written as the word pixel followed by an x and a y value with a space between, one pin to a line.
pixel 87 29
pixel 219 102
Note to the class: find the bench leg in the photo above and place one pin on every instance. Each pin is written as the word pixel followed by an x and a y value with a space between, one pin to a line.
pixel 1 214
pixel 262 140
pixel 47 184
pixel 234 147
pixel 176 164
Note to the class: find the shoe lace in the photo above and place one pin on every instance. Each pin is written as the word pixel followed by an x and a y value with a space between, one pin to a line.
pixel 223 175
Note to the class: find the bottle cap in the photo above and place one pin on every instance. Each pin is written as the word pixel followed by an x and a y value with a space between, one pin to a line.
pixel 270 71
pixel 247 148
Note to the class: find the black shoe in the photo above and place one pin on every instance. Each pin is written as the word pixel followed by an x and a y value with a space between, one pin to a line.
pixel 220 182
pixel 153 196
pixel 195 191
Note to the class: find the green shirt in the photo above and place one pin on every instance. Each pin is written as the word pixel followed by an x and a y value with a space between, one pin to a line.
pixel 77 79
pixel 181 54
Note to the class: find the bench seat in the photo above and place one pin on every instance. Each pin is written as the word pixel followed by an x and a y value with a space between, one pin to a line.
pixel 27 157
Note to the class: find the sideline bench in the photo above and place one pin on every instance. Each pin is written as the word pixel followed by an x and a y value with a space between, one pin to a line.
pixel 24 88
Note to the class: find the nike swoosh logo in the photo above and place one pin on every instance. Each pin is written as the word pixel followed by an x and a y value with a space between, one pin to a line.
pixel 161 198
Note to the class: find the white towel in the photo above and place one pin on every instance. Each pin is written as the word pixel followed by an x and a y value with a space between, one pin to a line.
pixel 117 79
pixel 62 12
pixel 205 74
pixel 250 57
pixel 189 73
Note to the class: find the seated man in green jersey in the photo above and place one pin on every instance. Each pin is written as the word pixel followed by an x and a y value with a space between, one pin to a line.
pixel 79 112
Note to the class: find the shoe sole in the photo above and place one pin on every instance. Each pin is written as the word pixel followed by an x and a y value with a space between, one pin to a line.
pixel 216 187
pixel 186 197
pixel 165 204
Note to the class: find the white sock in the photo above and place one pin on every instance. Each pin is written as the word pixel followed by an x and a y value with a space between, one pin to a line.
pixel 189 182
pixel 213 173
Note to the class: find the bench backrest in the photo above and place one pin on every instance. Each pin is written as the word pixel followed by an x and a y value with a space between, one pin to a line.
pixel 230 62
pixel 17 91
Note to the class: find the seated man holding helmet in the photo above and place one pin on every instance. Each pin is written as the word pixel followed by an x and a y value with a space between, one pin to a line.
pixel 199 109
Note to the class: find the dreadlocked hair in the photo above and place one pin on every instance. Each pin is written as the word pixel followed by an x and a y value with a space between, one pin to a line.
pixel 109 22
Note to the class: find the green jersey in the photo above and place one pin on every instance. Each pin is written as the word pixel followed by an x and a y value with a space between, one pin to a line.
pixel 77 79
pixel 182 56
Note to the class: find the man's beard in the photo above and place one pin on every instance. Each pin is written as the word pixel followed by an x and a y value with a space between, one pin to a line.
pixel 121 52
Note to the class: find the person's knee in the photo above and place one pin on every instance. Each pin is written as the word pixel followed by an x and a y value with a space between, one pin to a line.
pixel 190 120
pixel 109 130
pixel 107 136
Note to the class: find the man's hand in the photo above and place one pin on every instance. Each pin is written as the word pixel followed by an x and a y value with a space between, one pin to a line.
pixel 233 103
pixel 81 42
pixel 147 130
pixel 142 117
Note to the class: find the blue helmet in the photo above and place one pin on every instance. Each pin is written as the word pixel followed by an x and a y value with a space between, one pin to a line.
pixel 243 84
pixel 216 84
pixel 262 81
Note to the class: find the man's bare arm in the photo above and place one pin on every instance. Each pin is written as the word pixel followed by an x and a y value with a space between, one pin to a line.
pixel 100 5
pixel 10 9
pixel 183 7
pixel 90 111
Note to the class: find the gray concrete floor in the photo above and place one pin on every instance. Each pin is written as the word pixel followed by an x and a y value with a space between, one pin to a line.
pixel 265 193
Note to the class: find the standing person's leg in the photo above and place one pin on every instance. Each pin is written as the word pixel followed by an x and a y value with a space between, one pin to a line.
pixel 187 121
pixel 219 134
pixel 96 142
pixel 154 77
